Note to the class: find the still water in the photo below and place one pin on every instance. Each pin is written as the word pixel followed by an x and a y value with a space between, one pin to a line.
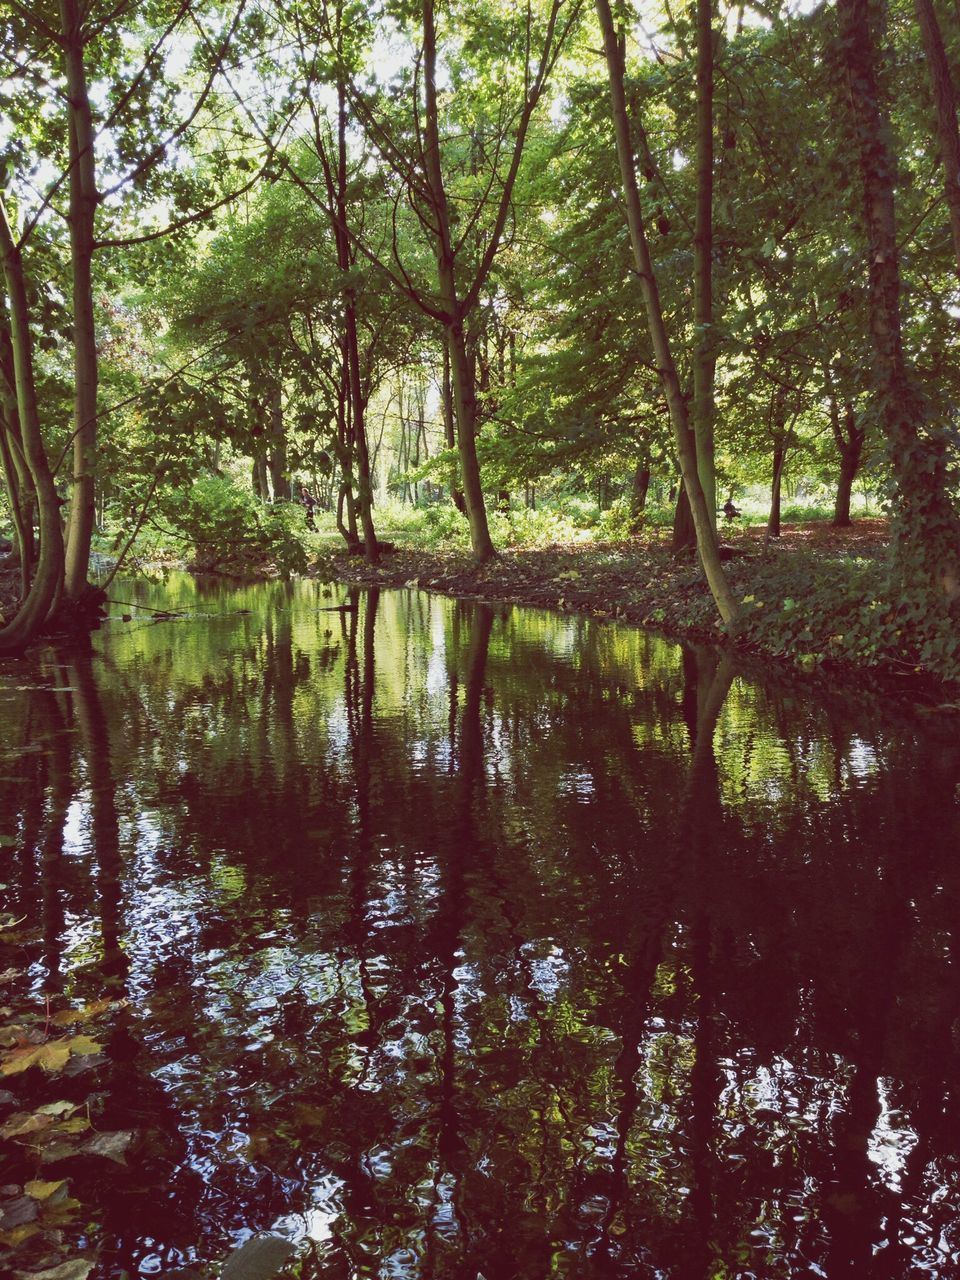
pixel 462 941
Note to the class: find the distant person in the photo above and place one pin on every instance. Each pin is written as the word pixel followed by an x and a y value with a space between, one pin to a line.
pixel 308 502
pixel 729 510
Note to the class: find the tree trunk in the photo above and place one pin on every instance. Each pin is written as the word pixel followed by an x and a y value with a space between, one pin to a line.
pixel 22 526
pixel 450 430
pixel 358 399
pixel 684 535
pixel 42 597
pixel 849 439
pixel 465 404
pixel 638 493
pixel 849 465
pixel 345 499
pixel 945 104
pixel 261 481
pixel 82 208
pixel 703 521
pixel 19 483
pixel 278 447
pixel 462 373
pixel 776 488
pixel 371 548
pixel 926 529
pixel 705 347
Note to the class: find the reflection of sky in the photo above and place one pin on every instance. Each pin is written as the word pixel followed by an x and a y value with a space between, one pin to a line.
pixel 892 1139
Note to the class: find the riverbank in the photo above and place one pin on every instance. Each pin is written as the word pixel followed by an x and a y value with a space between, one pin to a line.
pixel 812 598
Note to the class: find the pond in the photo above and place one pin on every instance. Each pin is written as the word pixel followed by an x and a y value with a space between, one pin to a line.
pixel 454 941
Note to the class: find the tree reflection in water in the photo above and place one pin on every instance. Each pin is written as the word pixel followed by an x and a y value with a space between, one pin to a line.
pixel 462 939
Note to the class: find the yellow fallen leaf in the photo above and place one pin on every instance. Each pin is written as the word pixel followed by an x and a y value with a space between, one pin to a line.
pixel 56 1109
pixel 66 1017
pixel 23 1123
pixel 50 1056
pixel 61 1212
pixel 18 1060
pixel 53 1055
pixel 76 1125
pixel 17 1236
pixel 83 1045
pixel 43 1190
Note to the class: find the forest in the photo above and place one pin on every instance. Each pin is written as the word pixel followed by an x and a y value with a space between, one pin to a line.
pixel 384 388
pixel 489 278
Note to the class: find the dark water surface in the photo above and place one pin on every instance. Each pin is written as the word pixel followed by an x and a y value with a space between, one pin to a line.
pixel 470 942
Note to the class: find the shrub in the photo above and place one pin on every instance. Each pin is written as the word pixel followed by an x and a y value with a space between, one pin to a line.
pixel 232 531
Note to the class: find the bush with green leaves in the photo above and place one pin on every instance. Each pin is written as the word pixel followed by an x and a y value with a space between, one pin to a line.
pixel 232 531
pixel 817 611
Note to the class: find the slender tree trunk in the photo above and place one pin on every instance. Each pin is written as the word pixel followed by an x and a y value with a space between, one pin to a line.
pixel 278 446
pixel 638 493
pixel 364 480
pixel 462 374
pixel 346 505
pixel 849 465
pixel 465 404
pixel 926 529
pixel 351 341
pixel 22 530
pixel 945 104
pixel 83 205
pixel 776 489
pixel 683 537
pixel 450 430
pixel 261 482
pixel 705 346
pixel 44 592
pixel 707 543
pixel 17 478
pixel 849 440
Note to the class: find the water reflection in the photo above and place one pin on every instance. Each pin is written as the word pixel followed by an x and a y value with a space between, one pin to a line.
pixel 467 941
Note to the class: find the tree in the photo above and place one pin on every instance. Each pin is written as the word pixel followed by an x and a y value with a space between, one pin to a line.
pixel 62 54
pixel 703 518
pixel 476 163
pixel 926 525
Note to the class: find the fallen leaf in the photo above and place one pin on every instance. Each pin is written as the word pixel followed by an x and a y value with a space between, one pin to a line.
pixel 17 1236
pixel 83 1045
pixel 109 1145
pixel 57 1109
pixel 56 1215
pixel 43 1190
pixel 77 1124
pixel 51 1057
pixel 57 1151
pixel 66 1017
pixel 17 1212
pixel 25 1122
pixel 257 1259
pixel 75 1269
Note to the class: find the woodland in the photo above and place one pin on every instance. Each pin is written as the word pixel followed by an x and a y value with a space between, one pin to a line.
pixel 392 902
pixel 485 279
